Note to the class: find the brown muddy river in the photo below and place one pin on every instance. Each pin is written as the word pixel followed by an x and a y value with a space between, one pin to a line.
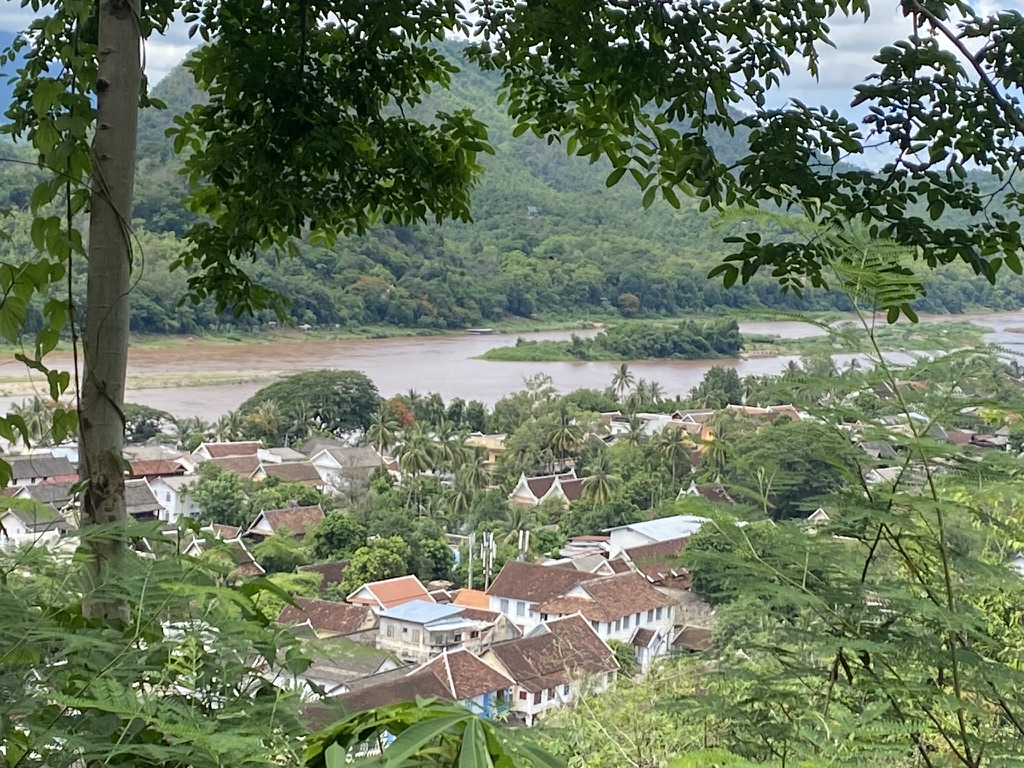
pixel 441 364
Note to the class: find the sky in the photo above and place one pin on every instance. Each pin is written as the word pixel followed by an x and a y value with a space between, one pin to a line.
pixel 856 42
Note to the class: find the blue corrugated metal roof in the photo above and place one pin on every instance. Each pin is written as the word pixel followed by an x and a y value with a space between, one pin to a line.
pixel 420 611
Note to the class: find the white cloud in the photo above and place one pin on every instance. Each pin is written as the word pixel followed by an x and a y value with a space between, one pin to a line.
pixel 841 68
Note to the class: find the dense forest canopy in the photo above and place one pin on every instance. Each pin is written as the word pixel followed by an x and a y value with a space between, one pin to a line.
pixel 548 238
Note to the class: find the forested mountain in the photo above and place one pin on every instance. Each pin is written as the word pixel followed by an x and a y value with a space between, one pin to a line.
pixel 548 238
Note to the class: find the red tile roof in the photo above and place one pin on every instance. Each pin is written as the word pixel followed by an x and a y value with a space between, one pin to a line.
pixel 473 598
pixel 609 598
pixel 155 468
pixel 534 583
pixel 394 691
pixel 573 489
pixel 240 465
pixel 692 639
pixel 222 531
pixel 392 592
pixel 555 653
pixel 325 615
pixel 224 450
pixel 293 472
pixel 540 485
pixel 331 573
pixel 297 520
pixel 659 560
pixel 642 637
pixel 464 675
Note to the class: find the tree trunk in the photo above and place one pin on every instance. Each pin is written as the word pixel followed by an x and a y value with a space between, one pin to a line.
pixel 105 336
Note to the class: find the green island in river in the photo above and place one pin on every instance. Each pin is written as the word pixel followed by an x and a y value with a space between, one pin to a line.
pixel 721 338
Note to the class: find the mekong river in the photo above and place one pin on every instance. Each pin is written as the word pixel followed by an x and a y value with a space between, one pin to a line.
pixel 442 364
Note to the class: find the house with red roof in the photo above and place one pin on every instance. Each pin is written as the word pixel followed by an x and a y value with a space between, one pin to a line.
pixel 553 665
pixel 223 450
pixel 520 587
pixel 531 491
pixel 297 521
pixel 455 676
pixel 327 618
pixel 624 607
pixel 381 595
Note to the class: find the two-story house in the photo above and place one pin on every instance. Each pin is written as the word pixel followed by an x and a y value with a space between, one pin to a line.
pixel 172 491
pixel 417 631
pixel 520 587
pixel 624 607
pixel 553 665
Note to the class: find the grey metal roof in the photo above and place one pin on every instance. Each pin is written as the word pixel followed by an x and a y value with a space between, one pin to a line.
pixel 39 465
pixel 665 528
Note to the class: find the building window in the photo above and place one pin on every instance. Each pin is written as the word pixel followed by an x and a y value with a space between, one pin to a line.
pixel 168 496
pixel 565 689
pixel 543 617
pixel 637 620
pixel 625 622
pixel 522 695
pixel 390 631
pixel 520 608
pixel 458 637
pixel 416 636
pixel 658 613
pixel 536 697
pixel 405 630
pixel 437 639
pixel 474 635
pixel 504 605
pixel 650 615
pixel 596 625
pixel 618 625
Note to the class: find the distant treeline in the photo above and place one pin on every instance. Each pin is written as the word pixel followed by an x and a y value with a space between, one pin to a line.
pixel 687 340
pixel 548 239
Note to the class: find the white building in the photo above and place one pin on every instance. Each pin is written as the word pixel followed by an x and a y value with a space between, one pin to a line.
pixel 553 665
pixel 520 587
pixel 172 491
pixel 624 607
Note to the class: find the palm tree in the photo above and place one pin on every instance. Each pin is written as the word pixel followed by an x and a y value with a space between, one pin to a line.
pixel 635 433
pixel 415 452
pixel 622 381
pixel 675 445
pixel 519 517
pixel 449 448
pixel 565 435
pixel 229 426
pixel 189 427
pixel 383 431
pixel 600 483
pixel 474 474
pixel 715 455
pixel 415 456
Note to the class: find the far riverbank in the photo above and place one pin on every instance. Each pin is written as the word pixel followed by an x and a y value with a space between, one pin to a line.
pixel 206 378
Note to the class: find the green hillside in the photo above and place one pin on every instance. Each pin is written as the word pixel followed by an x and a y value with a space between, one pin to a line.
pixel 548 239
